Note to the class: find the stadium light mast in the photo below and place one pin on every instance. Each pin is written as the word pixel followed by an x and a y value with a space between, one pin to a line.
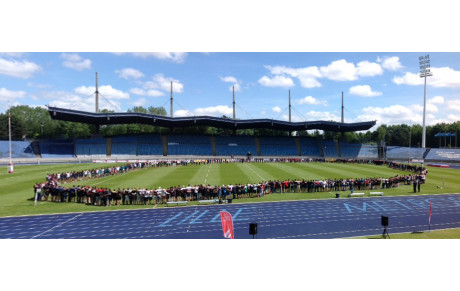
pixel 289 105
pixel 97 94
pixel 424 62
pixel 10 165
pixel 171 114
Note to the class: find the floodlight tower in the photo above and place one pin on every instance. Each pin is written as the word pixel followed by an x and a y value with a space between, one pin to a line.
pixel 424 62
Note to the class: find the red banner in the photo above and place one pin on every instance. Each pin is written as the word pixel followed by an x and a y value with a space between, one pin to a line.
pixel 227 224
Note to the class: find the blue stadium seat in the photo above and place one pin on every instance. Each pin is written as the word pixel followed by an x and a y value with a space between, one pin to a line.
pixel 56 148
pixel 90 147
pixel 278 146
pixel 329 148
pixel 445 155
pixel 395 152
pixel 238 145
pixel 189 145
pixel 309 147
pixel 19 149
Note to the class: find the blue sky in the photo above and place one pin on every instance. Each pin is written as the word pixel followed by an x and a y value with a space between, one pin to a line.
pixel 377 86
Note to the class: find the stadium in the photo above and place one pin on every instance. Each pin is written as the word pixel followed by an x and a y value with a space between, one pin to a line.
pixel 275 180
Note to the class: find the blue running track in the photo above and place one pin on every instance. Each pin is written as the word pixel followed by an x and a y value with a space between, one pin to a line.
pixel 330 218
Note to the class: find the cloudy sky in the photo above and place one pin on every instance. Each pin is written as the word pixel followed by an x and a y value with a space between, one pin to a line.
pixel 377 86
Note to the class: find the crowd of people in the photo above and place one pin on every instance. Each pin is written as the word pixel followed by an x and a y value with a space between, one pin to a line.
pixel 53 190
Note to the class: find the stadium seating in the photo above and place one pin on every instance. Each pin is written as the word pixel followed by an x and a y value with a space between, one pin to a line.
pixel 189 145
pixel 354 150
pixel 150 144
pixel 330 149
pixel 90 147
pixel 278 146
pixel 368 152
pixel 394 152
pixel 56 148
pixel 349 150
pixel 444 155
pixel 309 147
pixel 124 145
pixel 19 149
pixel 238 145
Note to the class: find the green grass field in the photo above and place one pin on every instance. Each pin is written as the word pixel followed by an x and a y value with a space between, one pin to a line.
pixel 16 192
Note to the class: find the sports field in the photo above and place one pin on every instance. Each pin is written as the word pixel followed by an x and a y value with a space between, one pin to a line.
pixel 16 192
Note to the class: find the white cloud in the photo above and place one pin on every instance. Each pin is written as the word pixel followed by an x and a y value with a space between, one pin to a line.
pixel 129 73
pixel 276 109
pixel 436 100
pixel 322 115
pixel 368 69
pixel 442 77
pixel 276 81
pixel 68 100
pixel 391 63
pixel 394 114
pixel 75 62
pixel 431 105
pixel 8 95
pixel 218 110
pixel 340 70
pixel 307 76
pixel 312 101
pixel 140 102
pixel 231 79
pixel 364 91
pixel 12 54
pixel 162 83
pixel 408 79
pixel 170 56
pixel 106 91
pixel 454 105
pixel 18 69
pixel 150 93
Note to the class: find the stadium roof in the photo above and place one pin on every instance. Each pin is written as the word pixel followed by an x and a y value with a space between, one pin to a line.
pixel 218 122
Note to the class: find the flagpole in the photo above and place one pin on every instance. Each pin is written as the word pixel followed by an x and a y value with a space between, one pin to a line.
pixel 429 219
pixel 10 165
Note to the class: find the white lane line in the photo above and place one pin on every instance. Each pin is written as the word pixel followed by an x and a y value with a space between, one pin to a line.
pixel 57 226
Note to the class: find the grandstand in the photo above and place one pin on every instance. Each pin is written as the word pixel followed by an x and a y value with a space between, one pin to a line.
pixel 171 145
pixel 156 145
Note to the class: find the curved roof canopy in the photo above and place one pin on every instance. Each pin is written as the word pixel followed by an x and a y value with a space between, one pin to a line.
pixel 218 122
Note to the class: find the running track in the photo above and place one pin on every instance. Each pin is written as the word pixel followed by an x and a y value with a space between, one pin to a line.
pixel 330 218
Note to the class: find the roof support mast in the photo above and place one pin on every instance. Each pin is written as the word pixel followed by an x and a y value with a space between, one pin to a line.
pixel 290 132
pixel 234 113
pixel 171 114
pixel 97 94
pixel 343 119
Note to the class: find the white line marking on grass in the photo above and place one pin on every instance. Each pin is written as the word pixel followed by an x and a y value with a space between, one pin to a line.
pixel 57 226
pixel 207 174
pixel 255 172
